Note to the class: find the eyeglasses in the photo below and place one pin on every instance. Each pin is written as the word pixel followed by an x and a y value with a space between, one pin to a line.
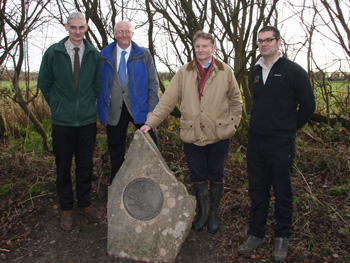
pixel 126 32
pixel 267 40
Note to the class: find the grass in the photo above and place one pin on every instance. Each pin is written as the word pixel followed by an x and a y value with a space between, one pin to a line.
pixel 321 218
pixel 333 96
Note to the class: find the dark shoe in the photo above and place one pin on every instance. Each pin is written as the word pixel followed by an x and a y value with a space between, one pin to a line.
pixel 92 213
pixel 66 222
pixel 215 198
pixel 201 192
pixel 250 244
pixel 281 249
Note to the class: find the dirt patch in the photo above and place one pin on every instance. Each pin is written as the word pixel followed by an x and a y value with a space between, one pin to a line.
pixel 40 239
pixel 30 232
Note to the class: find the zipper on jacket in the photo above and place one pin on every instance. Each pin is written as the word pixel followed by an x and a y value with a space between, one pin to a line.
pixel 133 77
pixel 77 96
pixel 76 111
pixel 106 88
pixel 109 75
pixel 111 70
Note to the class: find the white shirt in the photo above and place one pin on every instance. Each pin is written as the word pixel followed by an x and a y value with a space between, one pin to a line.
pixel 119 54
pixel 266 69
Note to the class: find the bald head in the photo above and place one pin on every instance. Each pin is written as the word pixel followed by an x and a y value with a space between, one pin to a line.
pixel 123 33
pixel 123 23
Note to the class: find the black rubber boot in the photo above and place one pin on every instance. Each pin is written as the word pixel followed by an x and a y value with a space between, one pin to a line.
pixel 201 192
pixel 215 198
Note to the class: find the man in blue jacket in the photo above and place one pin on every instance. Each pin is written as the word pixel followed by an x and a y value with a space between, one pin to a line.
pixel 129 91
pixel 283 102
pixel 69 79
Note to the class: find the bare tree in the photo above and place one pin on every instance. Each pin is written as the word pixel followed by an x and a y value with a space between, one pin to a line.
pixel 169 25
pixel 178 21
pixel 239 22
pixel 19 20
pixel 339 25
pixel 233 23
pixel 322 21
pixel 101 16
pixel 97 16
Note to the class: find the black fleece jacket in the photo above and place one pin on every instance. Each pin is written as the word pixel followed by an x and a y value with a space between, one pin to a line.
pixel 284 103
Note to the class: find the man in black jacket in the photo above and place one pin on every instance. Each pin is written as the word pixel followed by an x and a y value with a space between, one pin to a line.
pixel 283 102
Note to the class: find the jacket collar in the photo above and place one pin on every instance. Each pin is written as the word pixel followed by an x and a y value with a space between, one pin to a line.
pixel 218 65
pixel 61 47
pixel 107 52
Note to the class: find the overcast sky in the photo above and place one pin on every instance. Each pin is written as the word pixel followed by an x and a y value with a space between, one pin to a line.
pixel 326 52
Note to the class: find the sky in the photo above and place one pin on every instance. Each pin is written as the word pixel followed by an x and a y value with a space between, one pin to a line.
pixel 326 52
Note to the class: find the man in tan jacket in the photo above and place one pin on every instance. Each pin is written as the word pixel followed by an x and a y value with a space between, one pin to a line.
pixel 211 108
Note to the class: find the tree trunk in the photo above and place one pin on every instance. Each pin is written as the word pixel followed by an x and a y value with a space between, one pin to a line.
pixel 3 127
pixel 332 121
pixel 23 104
pixel 37 124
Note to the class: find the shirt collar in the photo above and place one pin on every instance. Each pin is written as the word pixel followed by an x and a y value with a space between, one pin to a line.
pixel 261 62
pixel 119 50
pixel 208 64
pixel 71 46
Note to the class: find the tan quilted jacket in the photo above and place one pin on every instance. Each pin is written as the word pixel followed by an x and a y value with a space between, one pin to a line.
pixel 215 117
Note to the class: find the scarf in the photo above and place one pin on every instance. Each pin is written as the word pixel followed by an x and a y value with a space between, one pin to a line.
pixel 202 75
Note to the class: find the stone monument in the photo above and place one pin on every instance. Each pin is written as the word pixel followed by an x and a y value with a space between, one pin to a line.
pixel 150 212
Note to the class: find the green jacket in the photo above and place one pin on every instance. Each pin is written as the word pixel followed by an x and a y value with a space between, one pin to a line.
pixel 56 82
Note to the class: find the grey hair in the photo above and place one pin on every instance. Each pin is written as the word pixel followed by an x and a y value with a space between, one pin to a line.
pixel 201 34
pixel 77 15
pixel 123 21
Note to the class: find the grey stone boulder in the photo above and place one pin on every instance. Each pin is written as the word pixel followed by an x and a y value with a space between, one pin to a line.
pixel 150 212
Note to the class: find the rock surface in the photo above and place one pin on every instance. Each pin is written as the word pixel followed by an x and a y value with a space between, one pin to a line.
pixel 150 212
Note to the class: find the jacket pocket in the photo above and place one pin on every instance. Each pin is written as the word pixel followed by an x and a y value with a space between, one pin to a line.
pixel 225 128
pixel 187 131
pixel 54 107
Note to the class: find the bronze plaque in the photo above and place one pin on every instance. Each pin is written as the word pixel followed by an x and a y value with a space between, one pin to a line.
pixel 143 199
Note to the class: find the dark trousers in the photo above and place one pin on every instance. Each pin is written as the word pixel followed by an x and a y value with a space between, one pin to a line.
pixel 207 162
pixel 116 136
pixel 80 142
pixel 269 162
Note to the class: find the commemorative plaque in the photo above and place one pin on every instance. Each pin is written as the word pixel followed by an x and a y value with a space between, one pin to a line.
pixel 143 199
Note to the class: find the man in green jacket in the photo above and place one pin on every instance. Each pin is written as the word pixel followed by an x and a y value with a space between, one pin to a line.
pixel 69 79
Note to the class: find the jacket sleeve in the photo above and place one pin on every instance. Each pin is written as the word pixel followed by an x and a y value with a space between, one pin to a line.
pixel 153 85
pixel 167 103
pixel 235 100
pixel 305 97
pixel 45 77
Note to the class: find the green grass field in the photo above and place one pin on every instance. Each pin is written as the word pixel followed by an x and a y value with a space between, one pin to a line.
pixel 333 97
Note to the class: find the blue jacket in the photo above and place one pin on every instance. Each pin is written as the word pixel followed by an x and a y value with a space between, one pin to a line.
pixel 142 78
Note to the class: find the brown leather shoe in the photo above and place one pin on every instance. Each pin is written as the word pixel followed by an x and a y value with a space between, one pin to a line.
pixel 67 220
pixel 92 213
